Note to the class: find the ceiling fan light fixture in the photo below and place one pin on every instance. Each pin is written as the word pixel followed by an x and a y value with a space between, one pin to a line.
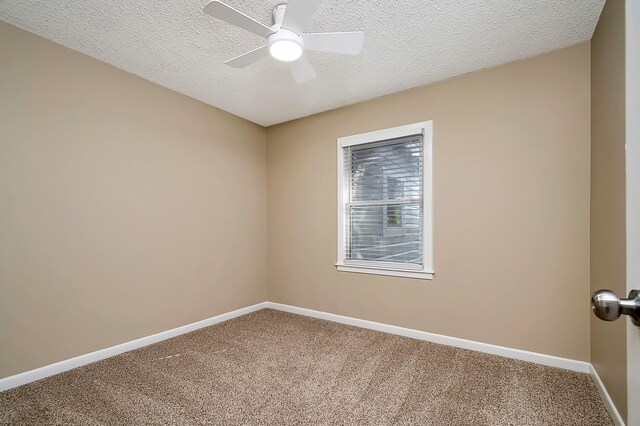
pixel 285 50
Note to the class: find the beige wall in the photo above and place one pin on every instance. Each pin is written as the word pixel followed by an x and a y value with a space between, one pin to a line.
pixel 511 185
pixel 125 209
pixel 608 233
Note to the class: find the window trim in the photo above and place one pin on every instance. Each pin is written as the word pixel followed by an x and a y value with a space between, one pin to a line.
pixel 426 129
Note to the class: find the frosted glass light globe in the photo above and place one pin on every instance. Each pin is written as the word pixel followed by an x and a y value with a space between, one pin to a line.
pixel 285 50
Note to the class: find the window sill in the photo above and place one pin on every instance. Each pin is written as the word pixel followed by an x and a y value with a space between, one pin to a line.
pixel 422 275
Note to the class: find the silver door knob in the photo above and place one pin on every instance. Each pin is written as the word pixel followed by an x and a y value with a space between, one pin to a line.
pixel 608 307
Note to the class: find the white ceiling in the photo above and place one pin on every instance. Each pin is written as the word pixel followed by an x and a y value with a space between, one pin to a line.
pixel 408 43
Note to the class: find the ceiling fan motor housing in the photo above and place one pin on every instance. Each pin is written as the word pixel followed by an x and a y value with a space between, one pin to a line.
pixel 283 37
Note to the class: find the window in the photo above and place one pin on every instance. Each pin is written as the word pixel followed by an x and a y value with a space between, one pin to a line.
pixel 385 202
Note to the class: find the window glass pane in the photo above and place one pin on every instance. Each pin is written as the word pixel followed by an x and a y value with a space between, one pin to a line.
pixel 386 171
pixel 384 201
pixel 392 237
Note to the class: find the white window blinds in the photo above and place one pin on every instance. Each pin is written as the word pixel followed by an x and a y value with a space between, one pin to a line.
pixel 383 190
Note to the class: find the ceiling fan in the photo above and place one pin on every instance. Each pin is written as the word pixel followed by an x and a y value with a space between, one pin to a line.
pixel 285 40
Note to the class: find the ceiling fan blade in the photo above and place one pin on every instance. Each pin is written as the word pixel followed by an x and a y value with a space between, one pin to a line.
pixel 302 70
pixel 298 13
pixel 219 10
pixel 345 43
pixel 248 58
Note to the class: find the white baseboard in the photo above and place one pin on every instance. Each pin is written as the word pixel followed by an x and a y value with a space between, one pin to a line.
pixel 549 360
pixel 538 358
pixel 608 402
pixel 68 364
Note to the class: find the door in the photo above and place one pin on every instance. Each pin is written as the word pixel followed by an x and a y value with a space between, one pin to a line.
pixel 615 97
pixel 633 200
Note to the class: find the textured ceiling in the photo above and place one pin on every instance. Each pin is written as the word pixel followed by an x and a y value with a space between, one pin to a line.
pixel 408 43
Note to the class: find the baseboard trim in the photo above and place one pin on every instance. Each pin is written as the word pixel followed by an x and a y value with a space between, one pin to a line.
pixel 538 358
pixel 608 402
pixel 68 364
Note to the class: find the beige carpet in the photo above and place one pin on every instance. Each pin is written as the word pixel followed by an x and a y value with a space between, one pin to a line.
pixel 272 368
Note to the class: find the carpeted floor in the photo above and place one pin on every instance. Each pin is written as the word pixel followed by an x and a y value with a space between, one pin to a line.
pixel 273 368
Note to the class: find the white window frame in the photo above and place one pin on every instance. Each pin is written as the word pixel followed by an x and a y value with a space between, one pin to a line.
pixel 426 272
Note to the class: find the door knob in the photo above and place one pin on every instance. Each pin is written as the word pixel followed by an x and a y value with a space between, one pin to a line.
pixel 608 307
